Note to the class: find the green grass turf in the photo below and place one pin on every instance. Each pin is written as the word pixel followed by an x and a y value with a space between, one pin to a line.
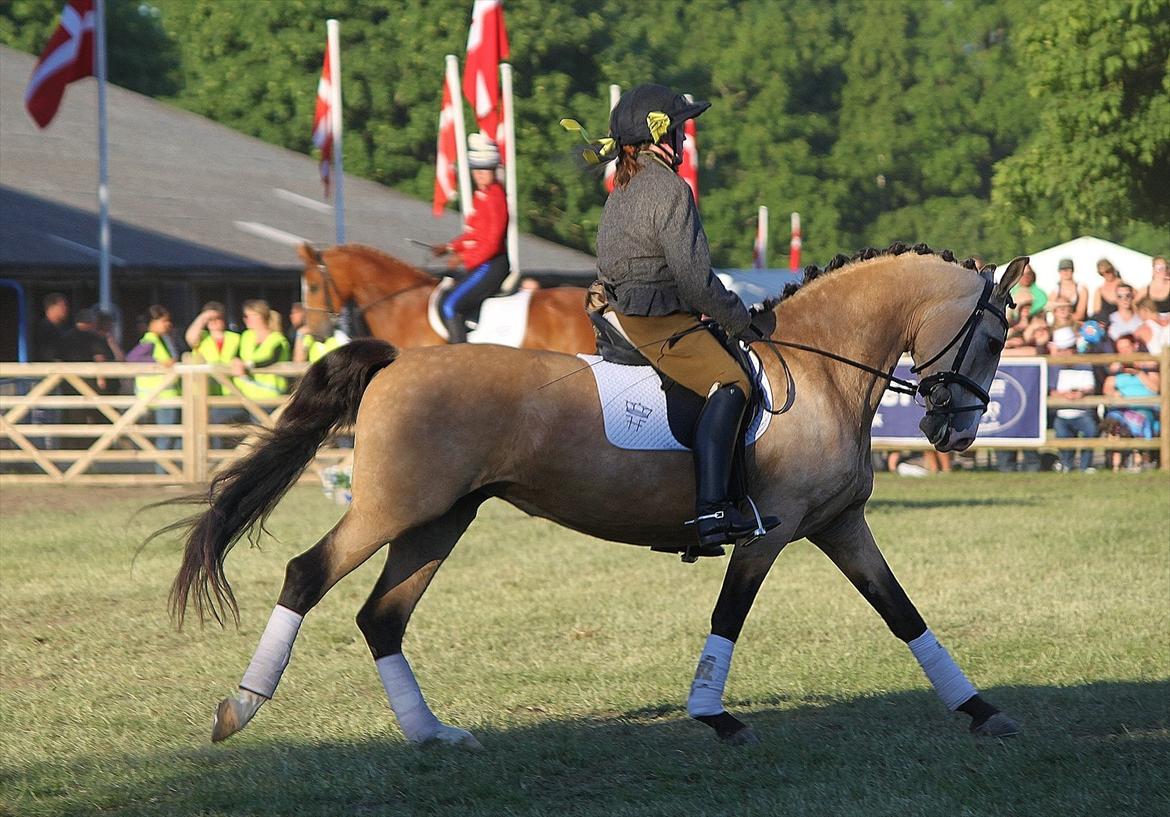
pixel 571 659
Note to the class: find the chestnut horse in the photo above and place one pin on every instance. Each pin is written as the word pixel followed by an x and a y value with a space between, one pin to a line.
pixel 392 297
pixel 489 421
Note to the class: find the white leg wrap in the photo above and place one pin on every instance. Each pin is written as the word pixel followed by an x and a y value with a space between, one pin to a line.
pixel 273 652
pixel 418 723
pixel 710 677
pixel 944 674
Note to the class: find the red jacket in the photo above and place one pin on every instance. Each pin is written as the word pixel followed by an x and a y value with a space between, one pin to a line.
pixel 485 234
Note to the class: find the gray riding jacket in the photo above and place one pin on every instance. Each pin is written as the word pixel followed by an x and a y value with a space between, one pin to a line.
pixel 652 253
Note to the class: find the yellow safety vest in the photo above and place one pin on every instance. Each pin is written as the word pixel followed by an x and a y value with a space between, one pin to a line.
pixel 145 384
pixel 319 348
pixel 258 385
pixel 211 353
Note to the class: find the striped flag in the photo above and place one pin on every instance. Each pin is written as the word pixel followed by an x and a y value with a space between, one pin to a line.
pixel 487 47
pixel 67 57
pixel 446 156
pixel 323 121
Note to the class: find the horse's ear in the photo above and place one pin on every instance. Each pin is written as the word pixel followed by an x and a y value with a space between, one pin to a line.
pixel 1014 270
pixel 308 253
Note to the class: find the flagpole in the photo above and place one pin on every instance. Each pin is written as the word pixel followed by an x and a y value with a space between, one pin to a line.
pixel 464 173
pixel 510 177
pixel 105 300
pixel 333 29
pixel 762 238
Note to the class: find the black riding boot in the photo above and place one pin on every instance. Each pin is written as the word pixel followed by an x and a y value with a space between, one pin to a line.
pixel 717 519
pixel 456 329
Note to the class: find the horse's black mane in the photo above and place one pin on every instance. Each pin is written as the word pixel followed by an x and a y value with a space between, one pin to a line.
pixel 812 272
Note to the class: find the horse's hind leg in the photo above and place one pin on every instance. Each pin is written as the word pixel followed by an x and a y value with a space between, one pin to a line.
pixel 851 546
pixel 307 579
pixel 412 562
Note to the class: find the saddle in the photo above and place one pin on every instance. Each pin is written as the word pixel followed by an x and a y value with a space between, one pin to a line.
pixel 501 318
pixel 682 404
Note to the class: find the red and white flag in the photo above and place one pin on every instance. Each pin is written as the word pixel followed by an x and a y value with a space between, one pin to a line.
pixel 67 57
pixel 446 157
pixel 323 121
pixel 689 169
pixel 487 46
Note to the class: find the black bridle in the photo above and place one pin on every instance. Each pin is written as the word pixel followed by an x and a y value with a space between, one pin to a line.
pixel 933 388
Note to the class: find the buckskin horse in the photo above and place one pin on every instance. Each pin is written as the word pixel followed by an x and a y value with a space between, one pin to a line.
pixel 489 421
pixel 393 297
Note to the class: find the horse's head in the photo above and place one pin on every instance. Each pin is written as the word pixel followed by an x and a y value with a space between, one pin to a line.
pixel 955 378
pixel 325 289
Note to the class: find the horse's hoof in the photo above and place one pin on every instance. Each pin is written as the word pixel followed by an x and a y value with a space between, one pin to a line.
pixel 998 725
pixel 229 719
pixel 454 736
pixel 744 737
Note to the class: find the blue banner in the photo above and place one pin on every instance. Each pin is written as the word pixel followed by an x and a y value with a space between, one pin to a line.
pixel 1014 417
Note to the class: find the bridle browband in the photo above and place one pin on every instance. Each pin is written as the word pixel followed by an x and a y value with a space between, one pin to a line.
pixel 933 387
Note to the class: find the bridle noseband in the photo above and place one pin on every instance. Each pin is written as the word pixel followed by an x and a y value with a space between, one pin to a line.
pixel 934 388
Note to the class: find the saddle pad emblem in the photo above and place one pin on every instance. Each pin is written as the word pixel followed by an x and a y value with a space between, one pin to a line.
pixel 633 406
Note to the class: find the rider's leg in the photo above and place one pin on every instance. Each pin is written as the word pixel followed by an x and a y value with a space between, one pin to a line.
pixel 686 352
pixel 482 282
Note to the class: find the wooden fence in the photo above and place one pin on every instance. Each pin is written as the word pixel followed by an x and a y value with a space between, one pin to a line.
pixel 59 425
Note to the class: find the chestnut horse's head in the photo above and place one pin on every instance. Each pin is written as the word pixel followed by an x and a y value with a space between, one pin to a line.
pixel 325 289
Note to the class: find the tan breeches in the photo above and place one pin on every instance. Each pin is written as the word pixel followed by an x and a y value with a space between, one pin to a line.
pixel 696 360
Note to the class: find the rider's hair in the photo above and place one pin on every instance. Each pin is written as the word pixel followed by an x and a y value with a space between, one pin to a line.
pixel 627 164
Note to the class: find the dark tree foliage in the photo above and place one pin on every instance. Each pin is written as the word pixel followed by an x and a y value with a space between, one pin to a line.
pixel 877 120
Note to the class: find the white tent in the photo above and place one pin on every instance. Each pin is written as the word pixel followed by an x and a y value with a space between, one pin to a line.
pixel 1085 252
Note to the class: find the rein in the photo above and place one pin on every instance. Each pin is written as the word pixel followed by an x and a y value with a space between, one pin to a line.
pixel 933 387
pixel 330 286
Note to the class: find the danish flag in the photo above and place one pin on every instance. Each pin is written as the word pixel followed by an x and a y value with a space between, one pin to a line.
pixel 67 57
pixel 487 45
pixel 323 121
pixel 689 169
pixel 446 157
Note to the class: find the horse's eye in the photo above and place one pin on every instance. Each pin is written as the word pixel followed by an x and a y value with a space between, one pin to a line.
pixel 994 346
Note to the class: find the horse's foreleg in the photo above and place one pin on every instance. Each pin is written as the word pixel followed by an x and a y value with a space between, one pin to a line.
pixel 745 574
pixel 307 578
pixel 851 546
pixel 413 560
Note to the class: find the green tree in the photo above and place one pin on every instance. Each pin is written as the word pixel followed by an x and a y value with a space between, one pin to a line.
pixel 1099 161
pixel 140 55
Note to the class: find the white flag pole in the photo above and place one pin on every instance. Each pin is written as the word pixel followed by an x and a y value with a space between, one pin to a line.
pixel 334 30
pixel 464 173
pixel 510 177
pixel 615 95
pixel 762 237
pixel 105 299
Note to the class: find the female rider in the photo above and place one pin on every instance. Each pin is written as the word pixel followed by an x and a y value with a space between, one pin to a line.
pixel 482 247
pixel 655 264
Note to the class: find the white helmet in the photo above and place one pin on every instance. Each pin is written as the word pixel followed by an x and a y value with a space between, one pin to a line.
pixel 482 153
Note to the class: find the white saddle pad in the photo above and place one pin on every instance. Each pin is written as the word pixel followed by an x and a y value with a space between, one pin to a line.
pixel 634 406
pixel 502 320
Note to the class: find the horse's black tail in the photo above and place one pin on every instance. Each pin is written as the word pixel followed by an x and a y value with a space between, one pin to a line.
pixel 245 493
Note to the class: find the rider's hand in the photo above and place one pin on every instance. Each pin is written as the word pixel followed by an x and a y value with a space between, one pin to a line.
pixel 762 325
pixel 439 249
pixel 453 262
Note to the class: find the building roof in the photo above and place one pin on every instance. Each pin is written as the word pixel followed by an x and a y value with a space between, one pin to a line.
pixel 186 192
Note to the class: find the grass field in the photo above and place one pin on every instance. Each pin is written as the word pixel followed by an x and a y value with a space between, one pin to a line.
pixel 571 658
